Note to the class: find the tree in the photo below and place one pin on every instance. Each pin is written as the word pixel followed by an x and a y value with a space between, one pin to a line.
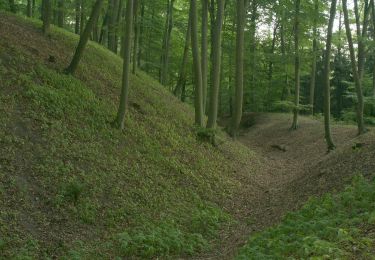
pixel 84 38
pixel 137 28
pixel 46 16
pixel 120 118
pixel 327 71
pixel 357 80
pixel 216 65
pixel 164 61
pixel 198 99
pixel 238 97
pixel 296 64
pixel 60 13
pixel 12 6
pixel 204 49
pixel 182 73
pixel 314 50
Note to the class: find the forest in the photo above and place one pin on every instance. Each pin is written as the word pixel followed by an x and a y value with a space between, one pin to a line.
pixel 187 129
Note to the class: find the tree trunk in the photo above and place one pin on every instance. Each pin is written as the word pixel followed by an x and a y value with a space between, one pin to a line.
pixel 253 45
pixel 362 35
pixel 77 16
pixel 182 74
pixel 198 100
pixel 296 65
pixel 373 28
pixel 29 12
pixel 136 36
pixel 164 61
pixel 286 89
pixel 84 37
pixel 46 15
pixel 141 30
pixel 238 97
pixel 270 66
pixel 112 26
pixel 216 66
pixel 12 6
pixel 327 72
pixel 60 13
pixel 314 58
pixel 120 119
pixel 357 81
pixel 204 50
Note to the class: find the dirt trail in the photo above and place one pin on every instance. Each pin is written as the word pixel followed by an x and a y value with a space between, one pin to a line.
pixel 293 165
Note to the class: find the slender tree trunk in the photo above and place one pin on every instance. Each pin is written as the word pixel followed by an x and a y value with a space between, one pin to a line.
pixel 46 15
pixel 83 17
pixel 77 16
pixel 71 69
pixel 29 12
pixel 12 6
pixel 204 50
pixel 196 64
pixel 120 119
pixel 253 45
pixel 112 27
pixel 362 35
pixel 136 36
pixel 314 58
pixel 286 90
pixel 238 100
pixel 33 8
pixel 182 74
pixel 60 13
pixel 357 81
pixel 141 30
pixel 216 66
pixel 296 65
pixel 327 72
pixel 166 44
pixel 373 28
pixel 270 66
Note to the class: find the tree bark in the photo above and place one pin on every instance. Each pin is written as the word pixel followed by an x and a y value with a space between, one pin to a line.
pixel 204 50
pixel 46 15
pixel 314 58
pixel 198 100
pixel 136 36
pixel 296 65
pixel 29 12
pixel 357 81
pixel 60 13
pixel 71 69
pixel 327 72
pixel 12 6
pixel 77 16
pixel 120 119
pixel 238 99
pixel 182 73
pixel 164 61
pixel 112 25
pixel 216 66
pixel 286 90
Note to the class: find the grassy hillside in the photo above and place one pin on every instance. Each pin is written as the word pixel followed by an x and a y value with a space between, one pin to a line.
pixel 72 186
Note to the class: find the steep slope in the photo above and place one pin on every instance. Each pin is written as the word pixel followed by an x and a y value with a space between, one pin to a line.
pixel 72 186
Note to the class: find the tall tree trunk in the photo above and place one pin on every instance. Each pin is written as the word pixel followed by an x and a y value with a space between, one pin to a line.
pixel 286 89
pixel 357 81
pixel 296 65
pixel 84 37
pixel 12 6
pixel 120 119
pixel 238 97
pixel 164 61
pixel 216 66
pixel 327 72
pixel 253 45
pixel 112 26
pixel 46 15
pixel 60 13
pixel 29 12
pixel 83 16
pixel 198 100
pixel 141 30
pixel 136 36
pixel 270 66
pixel 373 52
pixel 77 16
pixel 33 8
pixel 362 35
pixel 182 73
pixel 314 58
pixel 204 50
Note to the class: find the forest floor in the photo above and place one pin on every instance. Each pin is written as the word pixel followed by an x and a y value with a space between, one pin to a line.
pixel 295 165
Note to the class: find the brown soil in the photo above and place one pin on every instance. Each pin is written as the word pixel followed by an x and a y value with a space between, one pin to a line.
pixel 294 165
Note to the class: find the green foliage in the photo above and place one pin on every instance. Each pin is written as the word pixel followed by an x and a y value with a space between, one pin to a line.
pixel 161 240
pixel 332 227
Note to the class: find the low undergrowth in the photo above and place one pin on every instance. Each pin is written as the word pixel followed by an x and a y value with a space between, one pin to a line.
pixel 338 226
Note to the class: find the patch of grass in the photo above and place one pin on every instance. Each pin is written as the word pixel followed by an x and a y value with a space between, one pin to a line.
pixel 338 226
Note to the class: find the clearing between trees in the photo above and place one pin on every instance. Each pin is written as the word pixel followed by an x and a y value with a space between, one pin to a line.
pixel 74 187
